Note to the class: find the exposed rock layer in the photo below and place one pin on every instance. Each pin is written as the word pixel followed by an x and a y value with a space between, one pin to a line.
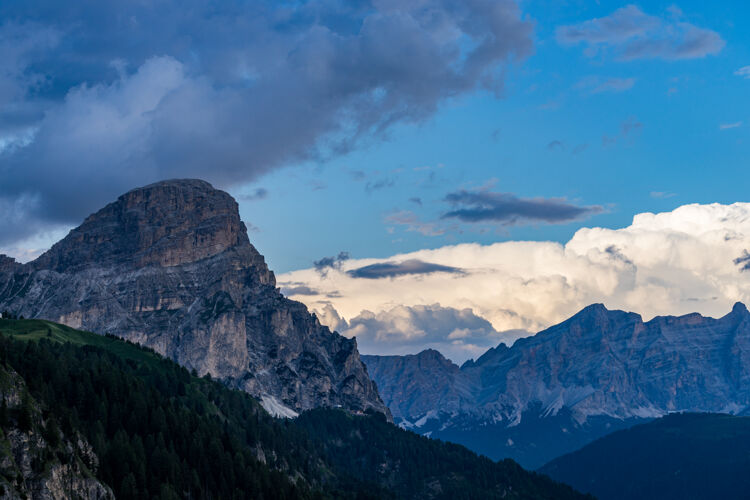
pixel 170 266
pixel 30 466
pixel 598 370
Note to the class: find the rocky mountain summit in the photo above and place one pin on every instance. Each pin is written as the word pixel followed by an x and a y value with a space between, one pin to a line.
pixel 555 391
pixel 170 266
pixel 420 385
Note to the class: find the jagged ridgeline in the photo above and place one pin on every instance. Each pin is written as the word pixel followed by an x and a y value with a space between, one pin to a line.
pixel 599 371
pixel 170 266
pixel 89 416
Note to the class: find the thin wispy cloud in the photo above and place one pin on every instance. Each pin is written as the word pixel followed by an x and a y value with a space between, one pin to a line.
pixel 379 184
pixel 413 223
pixel 598 85
pixel 508 209
pixel 631 127
pixel 257 194
pixel 629 33
pixel 662 194
pixel 580 148
pixel 727 126
pixel 744 72
pixel 614 85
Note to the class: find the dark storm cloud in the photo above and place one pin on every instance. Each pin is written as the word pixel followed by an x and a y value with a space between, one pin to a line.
pixel 99 97
pixel 632 34
pixel 394 269
pixel 326 264
pixel 508 209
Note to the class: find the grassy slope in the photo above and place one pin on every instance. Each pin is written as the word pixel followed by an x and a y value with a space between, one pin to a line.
pixel 36 329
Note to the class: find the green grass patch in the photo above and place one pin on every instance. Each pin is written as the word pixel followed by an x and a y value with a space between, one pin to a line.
pixel 37 329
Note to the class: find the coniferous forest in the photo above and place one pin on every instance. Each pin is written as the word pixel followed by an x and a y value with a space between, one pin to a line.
pixel 161 432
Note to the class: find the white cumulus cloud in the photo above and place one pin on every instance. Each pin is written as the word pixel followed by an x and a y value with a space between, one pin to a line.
pixel 694 258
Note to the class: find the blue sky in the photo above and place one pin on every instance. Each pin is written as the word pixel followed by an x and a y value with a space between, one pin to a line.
pixel 550 134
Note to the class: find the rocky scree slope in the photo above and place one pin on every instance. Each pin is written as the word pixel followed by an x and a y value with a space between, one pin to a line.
pixel 170 266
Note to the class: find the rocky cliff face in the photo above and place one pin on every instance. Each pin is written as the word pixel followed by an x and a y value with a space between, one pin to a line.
pixel 421 385
pixel 602 362
pixel 170 266
pixel 575 381
pixel 36 460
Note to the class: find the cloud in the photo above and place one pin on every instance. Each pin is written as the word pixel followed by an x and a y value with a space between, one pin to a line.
pixel 357 175
pixel 688 260
pixel 98 98
pixel 325 264
pixel 743 261
pixel 508 209
pixel 744 72
pixel 662 194
pixel 597 85
pixel 258 194
pixel 379 184
pixel 631 126
pixel 727 126
pixel 395 269
pixel 632 34
pixel 414 224
pixel 458 334
pixel 290 289
pixel 580 148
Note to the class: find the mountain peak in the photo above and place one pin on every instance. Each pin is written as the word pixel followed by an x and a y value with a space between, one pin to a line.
pixel 594 309
pixel 8 263
pixel 170 266
pixel 177 183
pixel 599 314
pixel 167 223
pixel 430 354
pixel 739 308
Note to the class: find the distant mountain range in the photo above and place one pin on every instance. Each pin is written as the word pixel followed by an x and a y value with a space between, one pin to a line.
pixel 552 393
pixel 170 266
pixel 696 456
